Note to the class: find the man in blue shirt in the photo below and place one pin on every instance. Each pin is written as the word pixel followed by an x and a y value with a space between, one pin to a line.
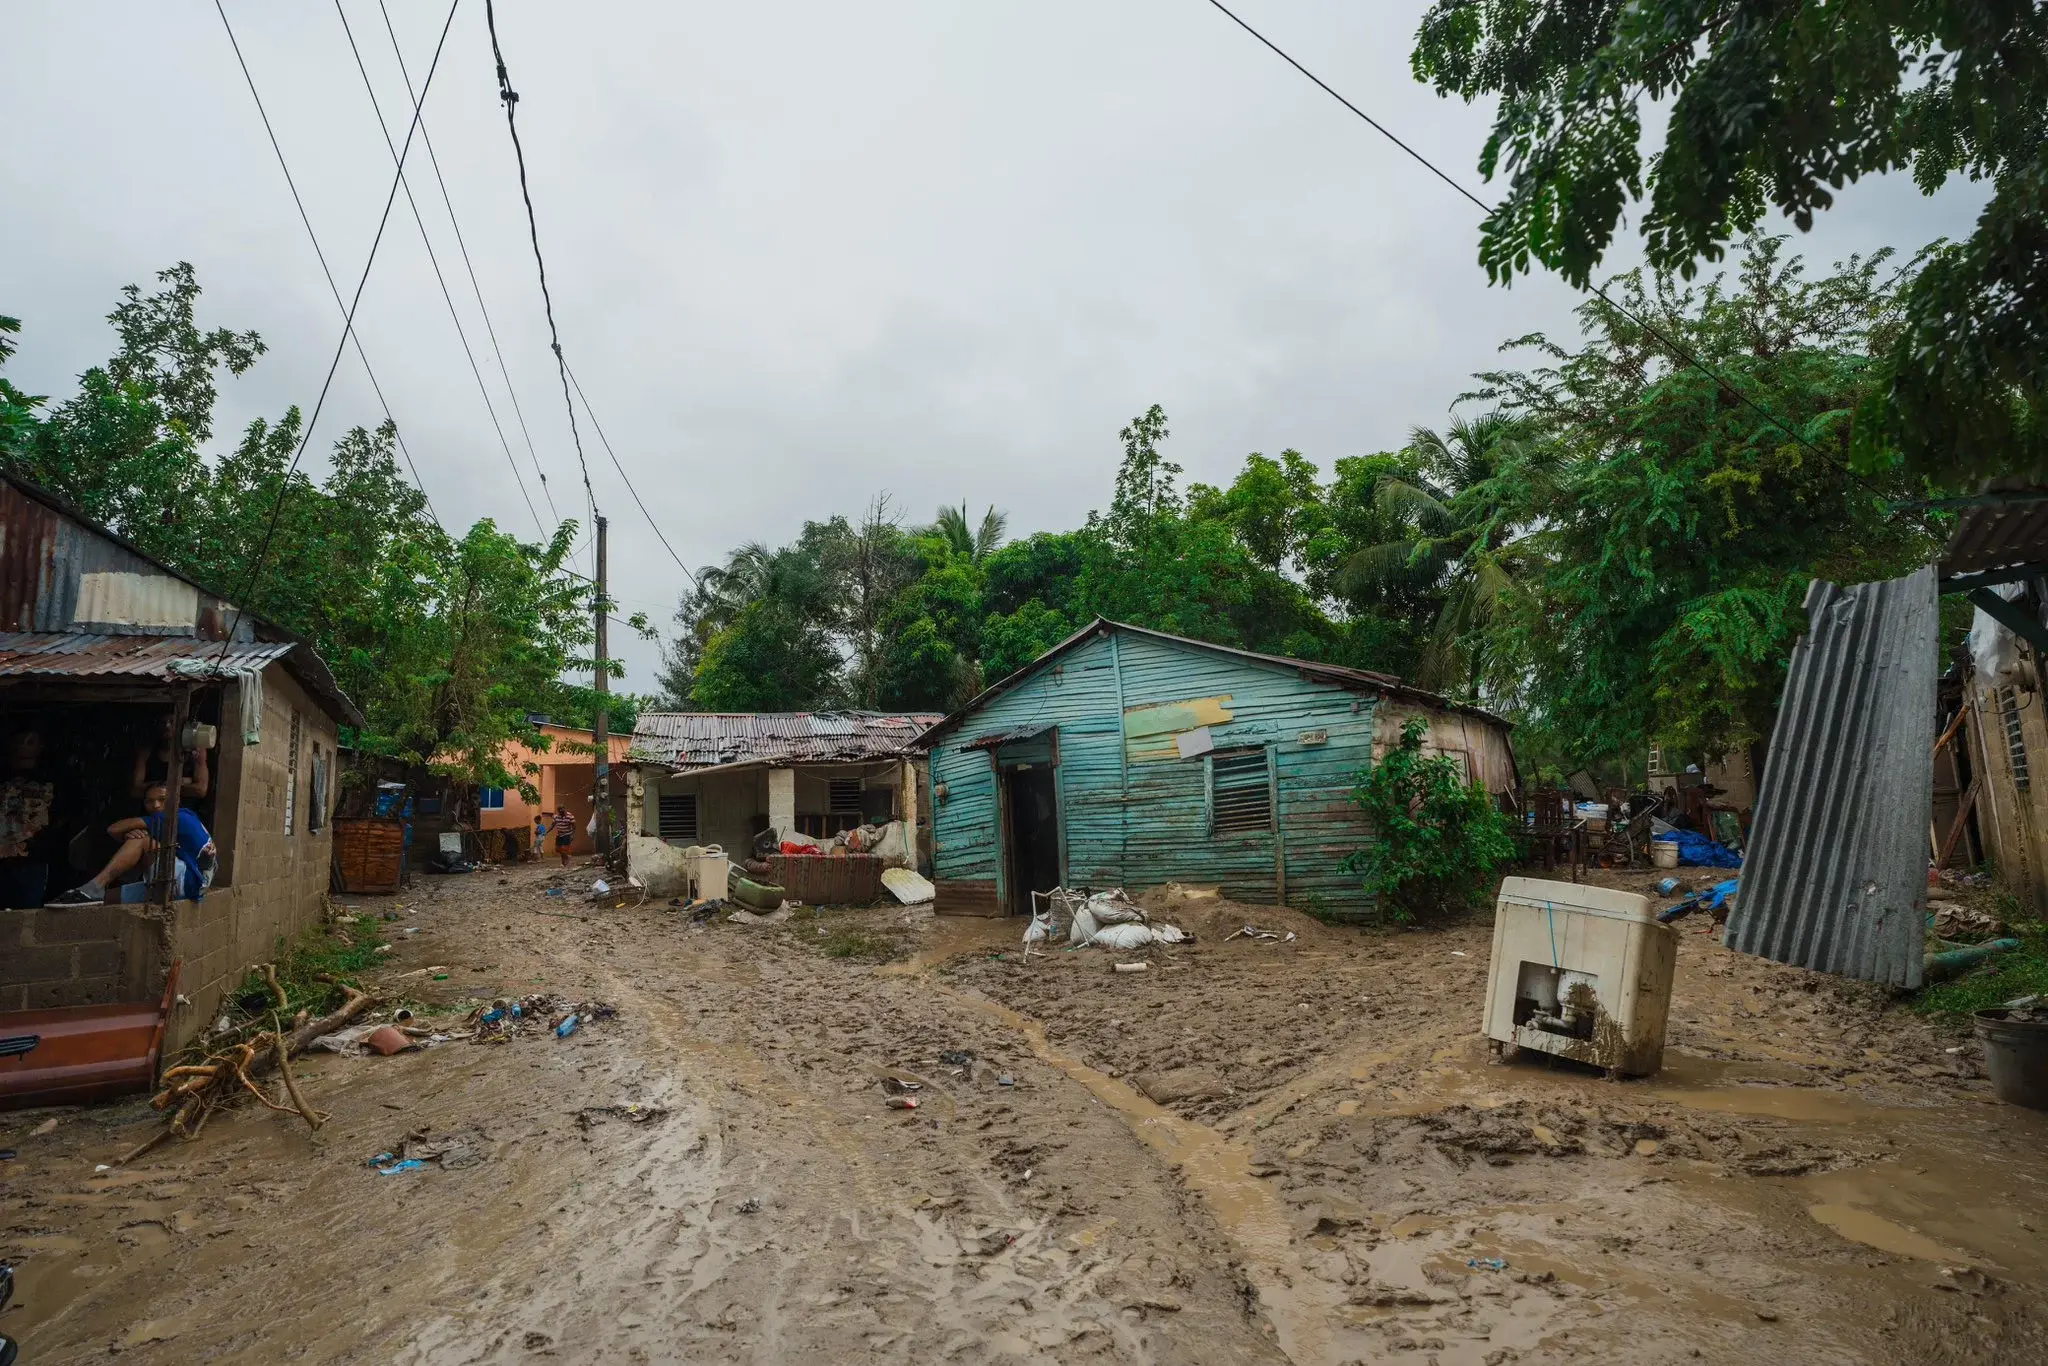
pixel 139 836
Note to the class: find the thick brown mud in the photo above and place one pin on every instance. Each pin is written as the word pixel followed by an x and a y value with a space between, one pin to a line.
pixel 1254 1151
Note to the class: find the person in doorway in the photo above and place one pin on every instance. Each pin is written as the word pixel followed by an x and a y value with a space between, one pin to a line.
pixel 153 765
pixel 28 799
pixel 565 833
pixel 540 834
pixel 140 838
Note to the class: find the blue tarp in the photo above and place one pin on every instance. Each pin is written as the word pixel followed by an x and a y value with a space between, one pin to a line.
pixel 1696 850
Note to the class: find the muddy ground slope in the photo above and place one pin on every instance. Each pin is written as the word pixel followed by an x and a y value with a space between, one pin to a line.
pixel 1253 1151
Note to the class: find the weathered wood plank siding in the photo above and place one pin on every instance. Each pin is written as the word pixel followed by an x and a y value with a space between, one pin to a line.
pixel 1135 813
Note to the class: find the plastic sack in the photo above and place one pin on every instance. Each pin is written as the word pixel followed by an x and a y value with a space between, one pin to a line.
pixel 1082 931
pixel 1127 936
pixel 1994 649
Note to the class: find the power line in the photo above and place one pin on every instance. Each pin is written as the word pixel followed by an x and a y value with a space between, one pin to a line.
pixel 510 98
pixel 1597 290
pixel 434 160
pixel 347 330
pixel 606 441
pixel 332 288
pixel 435 261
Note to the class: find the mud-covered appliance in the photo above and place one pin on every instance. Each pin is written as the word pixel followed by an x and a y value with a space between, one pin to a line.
pixel 1580 972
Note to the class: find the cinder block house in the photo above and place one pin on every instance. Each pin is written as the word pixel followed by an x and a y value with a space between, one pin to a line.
pixel 102 649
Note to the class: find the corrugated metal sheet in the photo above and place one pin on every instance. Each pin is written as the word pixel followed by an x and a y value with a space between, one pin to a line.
pixel 67 655
pixel 1836 877
pixel 820 880
pixel 692 740
pixel 996 739
pixel 62 575
pixel 1128 821
pixel 1992 537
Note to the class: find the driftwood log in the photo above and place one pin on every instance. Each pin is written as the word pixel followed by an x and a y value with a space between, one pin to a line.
pixel 192 1092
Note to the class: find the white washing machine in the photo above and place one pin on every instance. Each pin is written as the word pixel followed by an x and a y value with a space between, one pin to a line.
pixel 1580 972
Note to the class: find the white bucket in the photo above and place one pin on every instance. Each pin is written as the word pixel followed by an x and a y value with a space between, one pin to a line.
pixel 1664 853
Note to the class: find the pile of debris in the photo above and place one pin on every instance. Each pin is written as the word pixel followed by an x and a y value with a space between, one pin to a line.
pixel 506 1019
pixel 1108 919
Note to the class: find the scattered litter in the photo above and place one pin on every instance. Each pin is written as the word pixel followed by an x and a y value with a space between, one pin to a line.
pixel 387 1040
pixel 1129 967
pixel 101 1170
pixel 410 1164
pixel 1006 1080
pixel 555 891
pixel 1487 1263
pixel 601 887
pixel 1950 921
pixel 47 1126
pixel 1669 886
pixel 902 1102
pixel 632 1111
pixel 774 917
pixel 567 1026
pixel 1253 932
pixel 956 1058
pixel 348 1042
pixel 897 1086
pixel 6 1154
pixel 750 1206
pixel 1457 953
pixel 989 1244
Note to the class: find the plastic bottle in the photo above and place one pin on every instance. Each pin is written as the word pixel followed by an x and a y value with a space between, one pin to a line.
pixel 566 1028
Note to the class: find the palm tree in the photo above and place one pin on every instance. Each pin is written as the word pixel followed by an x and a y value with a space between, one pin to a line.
pixel 973 543
pixel 1478 487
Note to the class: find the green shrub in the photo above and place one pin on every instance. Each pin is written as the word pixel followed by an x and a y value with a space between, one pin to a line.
pixel 1437 841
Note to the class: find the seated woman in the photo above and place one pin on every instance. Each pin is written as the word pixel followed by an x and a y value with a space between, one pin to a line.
pixel 140 837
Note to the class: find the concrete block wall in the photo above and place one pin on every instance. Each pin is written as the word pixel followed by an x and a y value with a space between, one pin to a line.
pixel 275 881
pixel 77 956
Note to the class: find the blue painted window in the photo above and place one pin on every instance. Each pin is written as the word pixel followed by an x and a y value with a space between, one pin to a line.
pixel 491 798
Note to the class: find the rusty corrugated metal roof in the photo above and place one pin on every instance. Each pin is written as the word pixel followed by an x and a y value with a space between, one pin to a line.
pixel 118 610
pixel 1995 537
pixel 1363 680
pixel 691 740
pixel 1836 877
pixel 66 654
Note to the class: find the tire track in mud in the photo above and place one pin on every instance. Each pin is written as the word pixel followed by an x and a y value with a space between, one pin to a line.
pixel 664 1258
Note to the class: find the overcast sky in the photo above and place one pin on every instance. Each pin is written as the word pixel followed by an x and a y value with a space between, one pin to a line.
pixel 800 252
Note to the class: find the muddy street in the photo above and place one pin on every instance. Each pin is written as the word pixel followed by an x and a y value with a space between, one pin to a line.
pixel 1254 1150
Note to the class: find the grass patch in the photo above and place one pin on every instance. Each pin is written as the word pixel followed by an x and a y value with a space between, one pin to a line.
pixel 2021 972
pixel 852 941
pixel 344 948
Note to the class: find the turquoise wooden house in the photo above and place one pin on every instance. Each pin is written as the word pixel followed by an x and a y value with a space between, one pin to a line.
pixel 1125 757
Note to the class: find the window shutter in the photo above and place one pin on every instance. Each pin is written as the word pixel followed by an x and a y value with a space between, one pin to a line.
pixel 1240 792
pixel 677 818
pixel 844 793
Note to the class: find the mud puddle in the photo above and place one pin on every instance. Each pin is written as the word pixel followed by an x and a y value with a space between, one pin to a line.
pixel 946 937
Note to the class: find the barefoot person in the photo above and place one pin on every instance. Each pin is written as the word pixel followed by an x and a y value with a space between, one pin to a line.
pixel 140 836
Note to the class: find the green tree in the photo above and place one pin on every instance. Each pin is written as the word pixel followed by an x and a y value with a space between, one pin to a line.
pixel 976 543
pixel 1684 527
pixel 1460 513
pixel 1436 840
pixel 1779 105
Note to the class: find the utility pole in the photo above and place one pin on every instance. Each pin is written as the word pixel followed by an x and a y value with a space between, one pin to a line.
pixel 601 798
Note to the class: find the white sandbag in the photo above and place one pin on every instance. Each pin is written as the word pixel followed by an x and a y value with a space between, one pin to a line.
pixel 1082 931
pixel 891 845
pixel 1114 908
pixel 1123 936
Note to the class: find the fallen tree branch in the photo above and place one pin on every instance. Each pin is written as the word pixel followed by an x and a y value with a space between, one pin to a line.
pixel 314 1119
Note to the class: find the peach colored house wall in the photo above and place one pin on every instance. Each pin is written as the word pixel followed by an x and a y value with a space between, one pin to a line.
pixel 565 775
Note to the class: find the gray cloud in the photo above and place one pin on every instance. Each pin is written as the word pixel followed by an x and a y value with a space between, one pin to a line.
pixel 799 251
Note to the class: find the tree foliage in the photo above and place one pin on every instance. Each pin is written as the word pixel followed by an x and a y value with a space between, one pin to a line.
pixel 1436 839
pixel 1779 104
pixel 445 643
